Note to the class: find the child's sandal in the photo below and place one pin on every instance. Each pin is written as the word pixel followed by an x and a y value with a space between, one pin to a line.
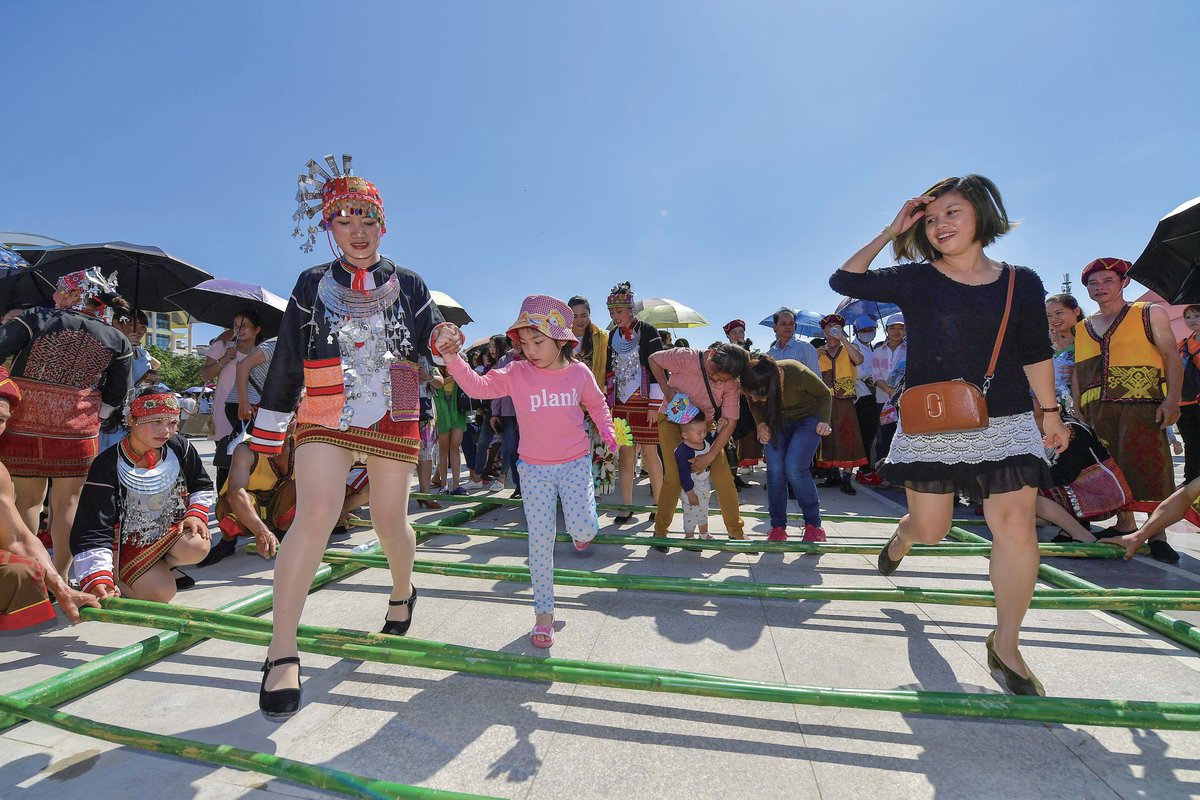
pixel 542 636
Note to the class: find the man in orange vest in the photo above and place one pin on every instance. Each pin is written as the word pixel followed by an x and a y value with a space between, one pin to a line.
pixel 1127 385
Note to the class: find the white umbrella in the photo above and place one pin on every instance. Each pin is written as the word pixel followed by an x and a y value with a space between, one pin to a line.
pixel 452 310
pixel 662 312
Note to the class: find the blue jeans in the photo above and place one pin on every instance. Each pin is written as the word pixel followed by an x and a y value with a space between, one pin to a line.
pixel 511 443
pixel 483 440
pixel 789 457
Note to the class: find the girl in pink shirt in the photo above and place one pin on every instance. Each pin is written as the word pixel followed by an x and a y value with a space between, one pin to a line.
pixel 549 392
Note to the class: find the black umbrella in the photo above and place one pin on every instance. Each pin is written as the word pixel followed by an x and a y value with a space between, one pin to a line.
pixel 23 287
pixel 218 301
pixel 146 275
pixel 1170 264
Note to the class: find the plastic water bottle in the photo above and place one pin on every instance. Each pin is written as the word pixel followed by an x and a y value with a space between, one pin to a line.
pixel 362 548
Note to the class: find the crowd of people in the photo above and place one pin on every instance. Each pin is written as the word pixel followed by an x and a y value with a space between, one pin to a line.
pixel 366 384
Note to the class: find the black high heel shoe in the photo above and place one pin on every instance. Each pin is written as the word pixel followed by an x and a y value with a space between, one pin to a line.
pixel 400 627
pixel 1014 682
pixel 278 704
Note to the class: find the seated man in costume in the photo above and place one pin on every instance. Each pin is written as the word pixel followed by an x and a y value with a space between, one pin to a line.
pixel 259 499
pixel 144 507
pixel 26 570
pixel 1184 503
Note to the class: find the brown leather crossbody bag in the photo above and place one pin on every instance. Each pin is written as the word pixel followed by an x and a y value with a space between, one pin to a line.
pixel 953 406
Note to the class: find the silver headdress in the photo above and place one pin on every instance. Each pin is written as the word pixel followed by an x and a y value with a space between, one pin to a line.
pixel 313 195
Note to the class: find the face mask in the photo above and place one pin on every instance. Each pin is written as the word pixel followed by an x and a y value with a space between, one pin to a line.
pixel 866 338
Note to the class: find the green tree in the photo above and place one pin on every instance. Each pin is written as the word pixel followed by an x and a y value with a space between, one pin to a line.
pixel 178 372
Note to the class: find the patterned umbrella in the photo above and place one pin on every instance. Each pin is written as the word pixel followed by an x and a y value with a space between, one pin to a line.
pixel 10 260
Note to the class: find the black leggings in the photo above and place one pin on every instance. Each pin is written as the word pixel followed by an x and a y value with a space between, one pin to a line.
pixel 867 412
pixel 1189 432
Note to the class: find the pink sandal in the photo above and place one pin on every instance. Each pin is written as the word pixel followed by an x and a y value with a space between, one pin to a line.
pixel 581 546
pixel 542 636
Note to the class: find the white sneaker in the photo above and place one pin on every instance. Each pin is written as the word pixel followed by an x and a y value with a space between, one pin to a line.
pixel 474 485
pixel 494 486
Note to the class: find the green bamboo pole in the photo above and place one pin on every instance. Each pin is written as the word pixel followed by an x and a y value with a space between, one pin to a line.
pixel 1173 628
pixel 1118 713
pixel 355 637
pixel 514 502
pixel 72 683
pixel 1082 600
pixel 318 777
pixel 1077 549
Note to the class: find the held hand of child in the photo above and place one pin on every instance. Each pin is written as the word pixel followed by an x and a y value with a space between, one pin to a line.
pixel 722 423
pixel 447 340
pixel 824 429
pixel 692 498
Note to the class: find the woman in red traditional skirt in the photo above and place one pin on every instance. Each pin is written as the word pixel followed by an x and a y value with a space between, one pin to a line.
pixel 351 338
pixel 633 393
pixel 26 571
pixel 74 371
pixel 842 450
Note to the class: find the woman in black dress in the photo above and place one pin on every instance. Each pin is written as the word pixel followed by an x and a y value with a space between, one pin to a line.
pixel 953 297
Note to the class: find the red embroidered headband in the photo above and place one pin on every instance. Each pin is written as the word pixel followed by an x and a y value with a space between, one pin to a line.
pixel 154 408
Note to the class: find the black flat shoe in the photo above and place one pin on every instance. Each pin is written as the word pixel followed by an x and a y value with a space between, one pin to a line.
pixel 1011 680
pixel 400 627
pixel 623 517
pixel 847 486
pixel 220 550
pixel 278 704
pixel 885 563
pixel 660 548
pixel 185 581
pixel 739 483
pixel 1160 550
pixel 1062 537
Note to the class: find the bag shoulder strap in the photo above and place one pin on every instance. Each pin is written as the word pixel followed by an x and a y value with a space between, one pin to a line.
pixel 708 388
pixel 991 370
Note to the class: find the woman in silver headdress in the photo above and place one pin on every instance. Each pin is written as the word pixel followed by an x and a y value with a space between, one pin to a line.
pixel 351 338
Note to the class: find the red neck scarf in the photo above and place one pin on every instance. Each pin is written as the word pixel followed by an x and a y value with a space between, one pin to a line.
pixel 150 456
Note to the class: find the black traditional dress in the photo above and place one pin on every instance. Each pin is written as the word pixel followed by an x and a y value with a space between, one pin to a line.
pixel 129 517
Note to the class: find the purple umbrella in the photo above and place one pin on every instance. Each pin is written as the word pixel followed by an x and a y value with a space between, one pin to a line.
pixel 219 300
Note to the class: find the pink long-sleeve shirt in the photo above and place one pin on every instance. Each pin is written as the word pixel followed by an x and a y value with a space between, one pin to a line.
pixel 549 405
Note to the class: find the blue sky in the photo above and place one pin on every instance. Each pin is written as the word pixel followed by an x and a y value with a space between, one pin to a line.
pixel 728 155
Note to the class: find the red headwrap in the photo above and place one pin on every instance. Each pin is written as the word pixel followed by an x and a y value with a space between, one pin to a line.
pixel 9 390
pixel 1117 265
pixel 734 323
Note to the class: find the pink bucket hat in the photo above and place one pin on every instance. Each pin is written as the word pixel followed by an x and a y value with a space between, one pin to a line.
pixel 549 315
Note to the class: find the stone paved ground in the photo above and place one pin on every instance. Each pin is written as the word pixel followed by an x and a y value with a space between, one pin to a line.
pixel 519 739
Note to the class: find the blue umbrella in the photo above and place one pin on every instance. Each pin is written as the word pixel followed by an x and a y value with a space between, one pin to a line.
pixel 808 323
pixel 852 309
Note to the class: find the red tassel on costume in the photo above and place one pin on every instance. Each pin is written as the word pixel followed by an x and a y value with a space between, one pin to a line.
pixel 359 284
pixel 627 332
